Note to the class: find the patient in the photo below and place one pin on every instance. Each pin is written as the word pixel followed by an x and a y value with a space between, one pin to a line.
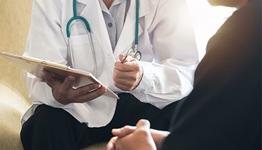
pixel 223 110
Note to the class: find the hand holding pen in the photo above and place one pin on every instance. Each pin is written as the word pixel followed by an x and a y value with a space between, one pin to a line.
pixel 127 73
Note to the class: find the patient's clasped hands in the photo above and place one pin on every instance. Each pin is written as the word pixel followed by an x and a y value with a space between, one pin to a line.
pixel 140 137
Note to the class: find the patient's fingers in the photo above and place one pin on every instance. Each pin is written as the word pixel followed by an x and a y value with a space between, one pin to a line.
pixel 121 132
pixel 111 144
pixel 143 124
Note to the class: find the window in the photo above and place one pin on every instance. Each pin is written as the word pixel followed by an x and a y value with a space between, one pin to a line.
pixel 207 19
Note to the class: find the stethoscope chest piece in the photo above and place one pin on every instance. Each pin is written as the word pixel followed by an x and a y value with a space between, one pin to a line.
pixel 134 53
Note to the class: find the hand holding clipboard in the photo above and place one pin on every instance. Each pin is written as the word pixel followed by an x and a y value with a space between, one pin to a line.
pixel 68 84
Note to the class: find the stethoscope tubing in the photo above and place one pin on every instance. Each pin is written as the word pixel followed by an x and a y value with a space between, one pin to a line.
pixel 137 54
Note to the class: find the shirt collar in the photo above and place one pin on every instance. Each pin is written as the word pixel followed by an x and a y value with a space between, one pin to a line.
pixel 115 3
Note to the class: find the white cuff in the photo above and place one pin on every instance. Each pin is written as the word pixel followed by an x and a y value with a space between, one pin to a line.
pixel 146 84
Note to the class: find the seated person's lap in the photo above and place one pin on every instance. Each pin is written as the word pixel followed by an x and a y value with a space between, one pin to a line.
pixel 59 124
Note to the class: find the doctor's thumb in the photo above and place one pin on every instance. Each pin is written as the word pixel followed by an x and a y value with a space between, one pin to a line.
pixel 143 124
pixel 121 57
pixel 125 58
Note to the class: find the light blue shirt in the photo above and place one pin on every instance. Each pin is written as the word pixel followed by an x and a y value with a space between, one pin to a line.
pixel 115 18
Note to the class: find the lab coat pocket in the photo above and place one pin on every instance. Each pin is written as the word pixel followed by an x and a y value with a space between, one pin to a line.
pixel 82 53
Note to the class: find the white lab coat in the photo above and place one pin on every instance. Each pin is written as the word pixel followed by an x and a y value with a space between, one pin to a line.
pixel 166 41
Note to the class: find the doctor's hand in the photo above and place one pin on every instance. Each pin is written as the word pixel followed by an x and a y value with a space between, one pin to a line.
pixel 132 138
pixel 64 92
pixel 128 74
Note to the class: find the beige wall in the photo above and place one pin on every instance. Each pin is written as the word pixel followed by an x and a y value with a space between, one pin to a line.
pixel 14 23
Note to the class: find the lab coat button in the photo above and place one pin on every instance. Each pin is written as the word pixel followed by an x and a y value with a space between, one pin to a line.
pixel 110 25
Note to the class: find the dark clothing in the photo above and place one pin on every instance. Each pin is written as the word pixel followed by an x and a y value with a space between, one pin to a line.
pixel 223 111
pixel 55 129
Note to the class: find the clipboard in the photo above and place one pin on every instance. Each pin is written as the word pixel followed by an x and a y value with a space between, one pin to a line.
pixel 35 65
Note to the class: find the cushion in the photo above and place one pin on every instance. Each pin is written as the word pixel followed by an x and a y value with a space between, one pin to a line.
pixel 12 106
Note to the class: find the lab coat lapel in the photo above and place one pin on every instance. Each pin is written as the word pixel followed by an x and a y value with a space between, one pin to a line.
pixel 127 36
pixel 92 12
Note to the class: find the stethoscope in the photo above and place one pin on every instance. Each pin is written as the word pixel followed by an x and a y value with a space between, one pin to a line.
pixel 133 52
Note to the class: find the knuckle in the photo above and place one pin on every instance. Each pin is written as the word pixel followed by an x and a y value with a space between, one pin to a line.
pixel 60 97
pixel 81 92
pixel 100 91
pixel 61 93
pixel 62 100
pixel 88 88
pixel 116 74
pixel 115 77
pixel 136 67
pixel 120 86
pixel 133 78
pixel 127 127
pixel 141 132
pixel 118 145
pixel 116 83
pixel 127 88
pixel 130 85
pixel 103 90
pixel 117 66
pixel 121 67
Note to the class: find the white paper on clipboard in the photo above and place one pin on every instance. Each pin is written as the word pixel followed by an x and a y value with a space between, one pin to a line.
pixel 33 65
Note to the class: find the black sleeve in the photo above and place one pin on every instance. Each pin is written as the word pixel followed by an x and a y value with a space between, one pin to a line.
pixel 223 110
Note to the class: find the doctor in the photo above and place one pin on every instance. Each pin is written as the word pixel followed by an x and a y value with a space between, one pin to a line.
pixel 95 35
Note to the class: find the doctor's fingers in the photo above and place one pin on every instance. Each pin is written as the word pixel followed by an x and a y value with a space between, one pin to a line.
pixel 67 84
pixel 61 91
pixel 67 96
pixel 123 58
pixel 127 66
pixel 81 91
pixel 90 96
pixel 129 76
pixel 50 79
pixel 125 85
